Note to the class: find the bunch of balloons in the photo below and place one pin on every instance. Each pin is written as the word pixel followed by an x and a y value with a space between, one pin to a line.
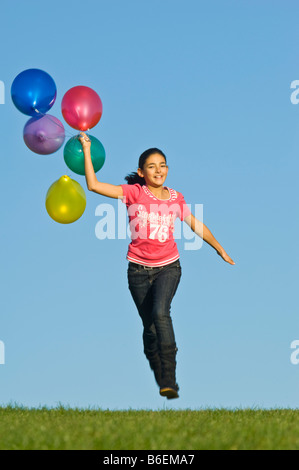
pixel 34 92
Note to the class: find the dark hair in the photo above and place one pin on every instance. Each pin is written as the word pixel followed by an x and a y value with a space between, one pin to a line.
pixel 134 178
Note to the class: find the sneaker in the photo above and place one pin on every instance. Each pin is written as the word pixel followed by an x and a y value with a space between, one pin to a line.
pixel 169 392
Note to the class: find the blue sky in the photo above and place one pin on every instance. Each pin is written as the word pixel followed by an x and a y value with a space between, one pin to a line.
pixel 208 82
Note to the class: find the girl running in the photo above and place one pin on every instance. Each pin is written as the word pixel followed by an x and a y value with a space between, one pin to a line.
pixel 154 269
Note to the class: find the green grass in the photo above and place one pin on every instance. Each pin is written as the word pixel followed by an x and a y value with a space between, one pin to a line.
pixel 63 428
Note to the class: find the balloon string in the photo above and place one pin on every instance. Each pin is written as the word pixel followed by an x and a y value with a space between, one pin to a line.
pixel 57 124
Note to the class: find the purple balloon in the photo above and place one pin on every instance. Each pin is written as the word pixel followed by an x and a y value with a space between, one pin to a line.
pixel 44 135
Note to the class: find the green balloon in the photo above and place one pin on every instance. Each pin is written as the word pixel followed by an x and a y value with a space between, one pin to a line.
pixel 74 156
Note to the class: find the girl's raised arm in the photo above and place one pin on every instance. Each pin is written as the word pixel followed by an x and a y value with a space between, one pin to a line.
pixel 105 189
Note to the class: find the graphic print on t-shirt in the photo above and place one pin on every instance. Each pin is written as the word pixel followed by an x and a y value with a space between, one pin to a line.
pixel 158 223
pixel 152 224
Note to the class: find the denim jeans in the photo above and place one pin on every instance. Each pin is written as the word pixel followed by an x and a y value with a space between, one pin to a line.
pixel 152 290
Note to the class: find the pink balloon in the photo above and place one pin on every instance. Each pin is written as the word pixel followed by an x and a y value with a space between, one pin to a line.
pixel 81 108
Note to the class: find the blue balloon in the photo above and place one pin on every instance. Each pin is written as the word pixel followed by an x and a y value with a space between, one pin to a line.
pixel 33 91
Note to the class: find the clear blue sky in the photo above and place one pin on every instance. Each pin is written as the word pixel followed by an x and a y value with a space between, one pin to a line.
pixel 208 82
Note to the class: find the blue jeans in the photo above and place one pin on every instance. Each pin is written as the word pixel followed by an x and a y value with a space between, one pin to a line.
pixel 152 290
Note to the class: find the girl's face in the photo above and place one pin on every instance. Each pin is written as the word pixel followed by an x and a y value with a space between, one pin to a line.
pixel 155 170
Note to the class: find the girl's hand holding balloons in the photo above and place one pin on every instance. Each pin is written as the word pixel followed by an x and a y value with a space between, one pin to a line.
pixel 85 140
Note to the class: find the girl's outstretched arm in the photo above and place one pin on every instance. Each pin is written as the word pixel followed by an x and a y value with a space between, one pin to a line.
pixel 202 231
pixel 106 189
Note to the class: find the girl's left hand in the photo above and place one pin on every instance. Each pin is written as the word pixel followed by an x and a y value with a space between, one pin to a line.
pixel 225 256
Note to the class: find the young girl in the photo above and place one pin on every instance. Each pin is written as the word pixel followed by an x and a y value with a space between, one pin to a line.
pixel 154 269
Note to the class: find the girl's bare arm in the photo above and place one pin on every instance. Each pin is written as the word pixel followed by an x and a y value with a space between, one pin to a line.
pixel 105 189
pixel 202 231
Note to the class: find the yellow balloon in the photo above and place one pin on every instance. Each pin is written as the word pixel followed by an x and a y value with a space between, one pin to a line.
pixel 65 200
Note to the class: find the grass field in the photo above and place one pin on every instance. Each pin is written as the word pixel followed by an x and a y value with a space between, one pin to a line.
pixel 60 428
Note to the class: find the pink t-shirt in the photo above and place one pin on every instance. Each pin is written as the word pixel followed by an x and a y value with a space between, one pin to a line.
pixel 152 224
